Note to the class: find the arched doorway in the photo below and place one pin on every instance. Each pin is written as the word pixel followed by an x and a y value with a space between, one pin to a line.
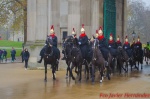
pixel 109 18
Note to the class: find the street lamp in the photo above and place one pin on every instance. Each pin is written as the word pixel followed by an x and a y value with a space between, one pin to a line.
pixel 133 34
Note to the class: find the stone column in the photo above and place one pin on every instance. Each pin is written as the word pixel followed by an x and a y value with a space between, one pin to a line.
pixel 74 16
pixel 95 16
pixel 86 15
pixel 37 30
pixel 55 13
pixel 124 19
pixel 42 20
pixel 31 20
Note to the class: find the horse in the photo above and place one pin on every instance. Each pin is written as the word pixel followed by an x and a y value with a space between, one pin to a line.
pixel 50 58
pixel 97 60
pixel 68 44
pixel 146 54
pixel 76 59
pixel 122 58
pixel 138 56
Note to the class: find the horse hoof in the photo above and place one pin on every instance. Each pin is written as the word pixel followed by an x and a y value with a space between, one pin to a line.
pixel 93 83
pixel 45 80
pixel 54 78
pixel 73 78
pixel 102 78
pixel 66 76
pixel 100 81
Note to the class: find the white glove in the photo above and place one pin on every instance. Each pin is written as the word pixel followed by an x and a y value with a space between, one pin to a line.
pixel 109 46
pixel 125 47
pixel 137 46
pixel 79 43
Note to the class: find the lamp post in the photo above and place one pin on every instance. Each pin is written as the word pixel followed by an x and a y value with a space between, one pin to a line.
pixel 133 35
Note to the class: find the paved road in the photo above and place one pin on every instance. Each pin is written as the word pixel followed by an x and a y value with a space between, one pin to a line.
pixel 18 83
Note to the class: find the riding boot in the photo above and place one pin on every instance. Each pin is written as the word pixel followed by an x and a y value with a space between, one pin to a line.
pixel 40 60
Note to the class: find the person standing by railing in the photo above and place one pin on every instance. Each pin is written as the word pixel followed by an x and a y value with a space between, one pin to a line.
pixel 13 53
pixel 26 58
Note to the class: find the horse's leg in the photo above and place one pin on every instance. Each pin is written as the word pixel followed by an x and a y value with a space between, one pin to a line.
pixel 71 74
pixel 45 65
pixel 101 75
pixel 93 73
pixel 87 69
pixel 68 68
pixel 53 71
pixel 80 71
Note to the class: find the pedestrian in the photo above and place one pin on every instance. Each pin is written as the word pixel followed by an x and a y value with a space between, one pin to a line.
pixel 22 55
pixel 26 58
pixel 5 55
pixel 1 52
pixel 13 53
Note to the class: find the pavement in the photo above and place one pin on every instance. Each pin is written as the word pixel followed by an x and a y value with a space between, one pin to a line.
pixel 18 83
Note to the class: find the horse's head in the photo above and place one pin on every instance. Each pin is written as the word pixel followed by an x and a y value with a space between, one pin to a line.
pixel 95 44
pixel 68 39
pixel 49 46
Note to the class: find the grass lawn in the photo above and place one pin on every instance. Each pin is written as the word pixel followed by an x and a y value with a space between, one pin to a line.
pixel 5 43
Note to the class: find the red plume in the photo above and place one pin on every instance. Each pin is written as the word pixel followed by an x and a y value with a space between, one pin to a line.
pixel 82 25
pixel 111 34
pixel 96 31
pixel 73 30
pixel 100 28
pixel 52 27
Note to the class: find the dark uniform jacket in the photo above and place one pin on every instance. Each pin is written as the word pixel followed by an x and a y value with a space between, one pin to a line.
pixel 54 40
pixel 112 48
pixel 83 43
pixel 127 48
pixel 138 45
pixel 103 47
pixel 118 43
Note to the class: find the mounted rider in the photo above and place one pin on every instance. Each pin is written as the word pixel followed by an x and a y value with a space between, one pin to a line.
pixel 53 43
pixel 83 43
pixel 133 45
pixel 138 43
pixel 118 42
pixel 112 46
pixel 103 45
pixel 73 36
pixel 127 47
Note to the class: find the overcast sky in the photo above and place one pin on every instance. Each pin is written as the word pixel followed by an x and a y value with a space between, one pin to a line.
pixel 147 2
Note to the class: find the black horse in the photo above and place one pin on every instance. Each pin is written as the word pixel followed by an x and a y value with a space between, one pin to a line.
pixel 51 57
pixel 138 56
pixel 97 60
pixel 146 54
pixel 68 44
pixel 76 59
pixel 122 58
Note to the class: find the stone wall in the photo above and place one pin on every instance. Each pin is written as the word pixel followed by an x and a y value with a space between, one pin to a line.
pixel 65 15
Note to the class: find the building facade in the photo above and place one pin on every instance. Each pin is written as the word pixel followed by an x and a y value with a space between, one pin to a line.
pixel 68 14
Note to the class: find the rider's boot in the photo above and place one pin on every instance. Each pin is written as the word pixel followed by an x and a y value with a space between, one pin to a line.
pixel 40 60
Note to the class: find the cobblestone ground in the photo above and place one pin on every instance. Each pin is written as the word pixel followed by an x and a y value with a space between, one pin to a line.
pixel 18 83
